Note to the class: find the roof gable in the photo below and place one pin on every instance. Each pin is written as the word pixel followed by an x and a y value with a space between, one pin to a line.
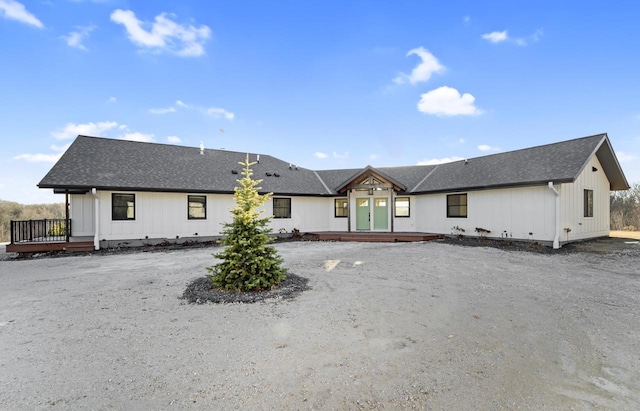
pixel 374 176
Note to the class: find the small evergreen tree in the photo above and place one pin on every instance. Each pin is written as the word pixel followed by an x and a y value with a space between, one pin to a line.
pixel 248 261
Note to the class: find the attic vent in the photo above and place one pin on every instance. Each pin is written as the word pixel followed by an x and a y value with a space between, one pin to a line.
pixel 234 171
pixel 466 161
pixel 268 174
pixel 290 166
pixel 201 147
pixel 258 158
pixel 276 175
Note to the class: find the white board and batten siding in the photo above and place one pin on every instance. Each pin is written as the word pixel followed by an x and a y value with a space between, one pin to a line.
pixel 81 213
pixel 526 213
pixel 165 215
pixel 308 214
pixel 405 224
pixel 572 204
pixel 157 215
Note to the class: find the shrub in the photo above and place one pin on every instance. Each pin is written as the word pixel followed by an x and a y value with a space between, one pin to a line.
pixel 57 230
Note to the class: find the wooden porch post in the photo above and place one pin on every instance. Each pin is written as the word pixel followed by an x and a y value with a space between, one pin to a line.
pixel 348 210
pixel 67 223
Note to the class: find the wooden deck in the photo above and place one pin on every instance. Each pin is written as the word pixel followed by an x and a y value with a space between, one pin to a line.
pixel 42 247
pixel 374 237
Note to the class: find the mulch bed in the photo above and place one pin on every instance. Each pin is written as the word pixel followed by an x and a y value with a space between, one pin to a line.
pixel 508 245
pixel 199 291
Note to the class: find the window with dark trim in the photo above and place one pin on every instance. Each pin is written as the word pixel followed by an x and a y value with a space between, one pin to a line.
pixel 281 207
pixel 197 207
pixel 588 203
pixel 123 206
pixel 457 206
pixel 402 206
pixel 341 207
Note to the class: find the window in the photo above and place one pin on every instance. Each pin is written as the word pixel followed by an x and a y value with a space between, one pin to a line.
pixel 457 206
pixel 123 206
pixel 341 207
pixel 402 206
pixel 197 207
pixel 281 207
pixel 588 203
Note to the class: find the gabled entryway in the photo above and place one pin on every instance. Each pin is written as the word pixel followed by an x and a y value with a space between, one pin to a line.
pixel 370 193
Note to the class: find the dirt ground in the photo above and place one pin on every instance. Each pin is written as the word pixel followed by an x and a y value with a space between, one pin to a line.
pixel 384 326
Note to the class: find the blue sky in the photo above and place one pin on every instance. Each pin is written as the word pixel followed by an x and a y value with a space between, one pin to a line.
pixel 322 84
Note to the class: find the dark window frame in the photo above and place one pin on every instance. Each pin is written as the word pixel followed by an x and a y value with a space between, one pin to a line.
pixel 192 199
pixel 395 207
pixel 118 209
pixel 588 203
pixel 282 210
pixel 459 209
pixel 342 208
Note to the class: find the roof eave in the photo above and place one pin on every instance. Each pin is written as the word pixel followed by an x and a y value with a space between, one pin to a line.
pixel 493 186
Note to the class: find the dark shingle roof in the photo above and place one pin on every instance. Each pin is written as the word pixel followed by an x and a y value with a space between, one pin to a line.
pixel 125 165
pixel 558 162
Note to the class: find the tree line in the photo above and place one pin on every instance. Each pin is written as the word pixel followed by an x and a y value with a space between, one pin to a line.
pixel 10 210
pixel 625 211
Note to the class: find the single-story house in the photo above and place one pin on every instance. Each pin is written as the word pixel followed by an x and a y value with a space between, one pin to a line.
pixel 123 191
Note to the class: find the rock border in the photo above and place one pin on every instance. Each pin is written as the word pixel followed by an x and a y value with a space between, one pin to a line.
pixel 199 291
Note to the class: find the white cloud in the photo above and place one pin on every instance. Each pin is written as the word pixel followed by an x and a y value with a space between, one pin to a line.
pixel 423 71
pixel 162 110
pixel 164 34
pixel 502 36
pixel 101 129
pixel 373 157
pixel 39 158
pixel 436 161
pixel 72 130
pixel 485 147
pixel 319 154
pixel 496 36
pixel 75 38
pixel 112 100
pixel 44 158
pixel 341 155
pixel 625 157
pixel 12 10
pixel 137 136
pixel 60 148
pixel 447 101
pixel 209 111
pixel 173 139
pixel 466 19
pixel 220 112
pixel 461 141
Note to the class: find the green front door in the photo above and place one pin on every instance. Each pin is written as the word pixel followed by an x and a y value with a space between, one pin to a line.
pixel 362 214
pixel 380 214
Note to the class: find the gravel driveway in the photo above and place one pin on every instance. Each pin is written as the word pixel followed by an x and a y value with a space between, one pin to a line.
pixel 385 326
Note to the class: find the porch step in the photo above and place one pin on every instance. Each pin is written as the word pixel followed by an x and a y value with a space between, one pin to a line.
pixel 375 237
pixel 79 246
pixel 42 247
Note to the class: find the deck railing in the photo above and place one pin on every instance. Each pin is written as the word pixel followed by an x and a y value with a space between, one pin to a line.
pixel 40 231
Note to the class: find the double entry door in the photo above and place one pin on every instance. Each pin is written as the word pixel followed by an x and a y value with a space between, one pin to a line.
pixel 372 213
